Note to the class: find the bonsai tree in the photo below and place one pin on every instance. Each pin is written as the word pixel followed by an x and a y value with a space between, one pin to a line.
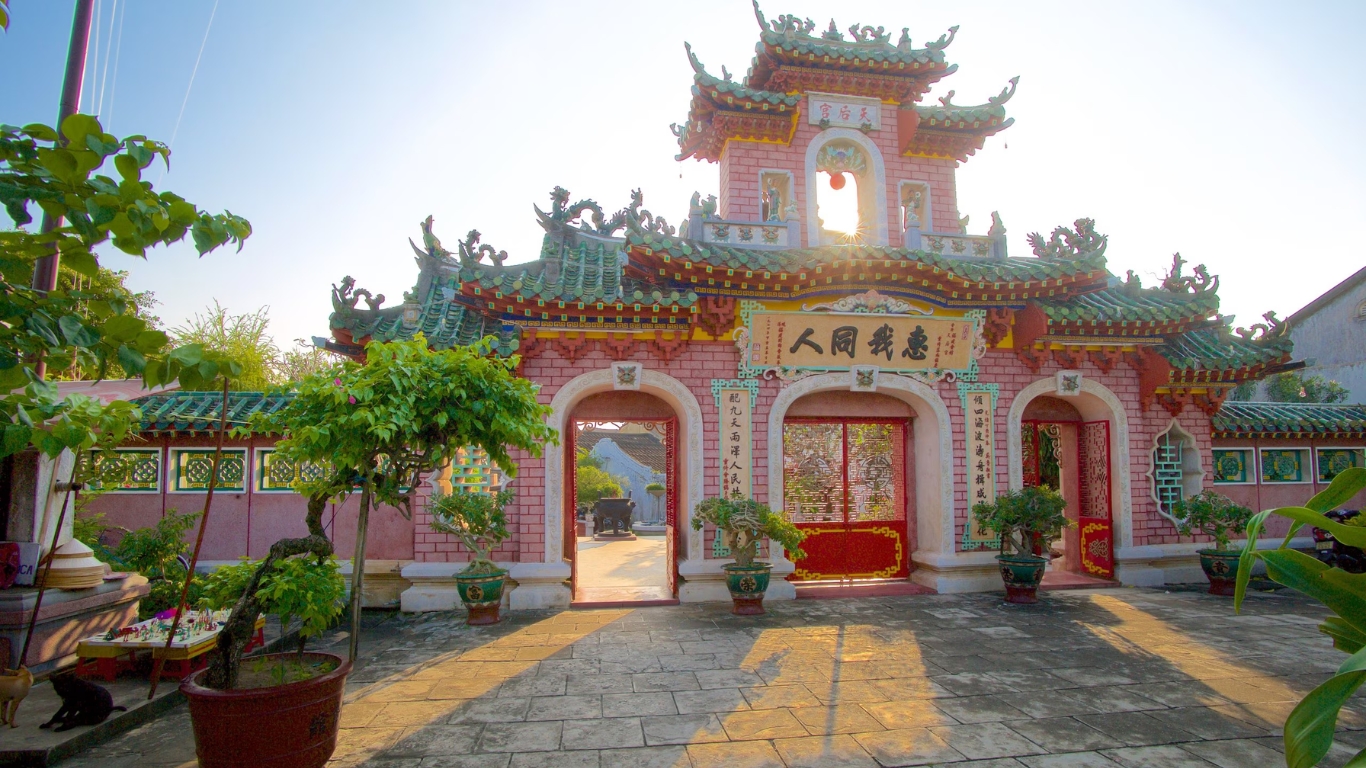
pixel 655 487
pixel 1311 724
pixel 476 519
pixel 1027 520
pixel 1212 514
pixel 311 590
pixel 743 523
pixel 380 427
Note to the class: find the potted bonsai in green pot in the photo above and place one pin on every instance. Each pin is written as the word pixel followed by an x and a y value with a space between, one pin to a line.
pixel 1027 521
pixel 477 520
pixel 1218 517
pixel 742 524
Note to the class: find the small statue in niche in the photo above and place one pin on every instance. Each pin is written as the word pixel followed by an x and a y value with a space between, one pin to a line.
pixel 773 202
pixel 912 208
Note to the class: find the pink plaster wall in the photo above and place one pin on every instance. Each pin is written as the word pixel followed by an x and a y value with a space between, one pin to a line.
pixel 1260 496
pixel 742 161
pixel 247 523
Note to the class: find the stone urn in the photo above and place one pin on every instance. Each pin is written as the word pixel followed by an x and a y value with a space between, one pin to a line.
pixel 1022 574
pixel 1221 568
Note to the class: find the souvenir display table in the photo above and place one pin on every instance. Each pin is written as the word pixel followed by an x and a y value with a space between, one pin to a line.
pixel 116 650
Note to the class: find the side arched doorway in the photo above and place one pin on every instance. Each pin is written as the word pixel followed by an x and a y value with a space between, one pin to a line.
pixel 1067 444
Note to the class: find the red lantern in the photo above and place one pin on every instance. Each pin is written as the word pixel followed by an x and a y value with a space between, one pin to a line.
pixel 837 181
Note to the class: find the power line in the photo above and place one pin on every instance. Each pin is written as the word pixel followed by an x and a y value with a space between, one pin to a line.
pixel 108 46
pixel 190 85
pixel 114 86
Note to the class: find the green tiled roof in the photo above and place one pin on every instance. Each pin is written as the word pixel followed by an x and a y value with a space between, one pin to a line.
pixel 165 413
pixel 796 260
pixel 1289 419
pixel 1119 304
pixel 444 323
pixel 704 80
pixel 790 35
pixel 1215 348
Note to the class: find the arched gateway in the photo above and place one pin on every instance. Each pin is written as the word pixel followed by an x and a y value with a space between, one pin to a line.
pixel 873 384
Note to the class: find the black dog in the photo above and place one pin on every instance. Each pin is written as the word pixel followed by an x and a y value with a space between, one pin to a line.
pixel 83 703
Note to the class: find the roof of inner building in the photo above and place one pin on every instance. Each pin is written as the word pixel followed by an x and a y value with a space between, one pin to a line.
pixel 1247 419
pixel 641 446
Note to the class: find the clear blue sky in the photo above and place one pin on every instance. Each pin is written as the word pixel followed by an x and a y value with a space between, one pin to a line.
pixel 1229 131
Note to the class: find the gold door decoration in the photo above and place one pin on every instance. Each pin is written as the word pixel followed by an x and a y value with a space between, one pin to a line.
pixel 979 406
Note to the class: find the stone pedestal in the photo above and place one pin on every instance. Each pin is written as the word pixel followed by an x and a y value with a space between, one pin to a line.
pixel 530 586
pixel 705 582
pixel 66 618
pixel 383 584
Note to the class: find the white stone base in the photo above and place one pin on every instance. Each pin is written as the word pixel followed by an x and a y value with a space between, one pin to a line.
pixel 705 582
pixel 530 586
pixel 957 572
pixel 383 584
pixel 540 586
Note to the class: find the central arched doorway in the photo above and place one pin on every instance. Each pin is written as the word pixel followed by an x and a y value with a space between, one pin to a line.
pixel 847 484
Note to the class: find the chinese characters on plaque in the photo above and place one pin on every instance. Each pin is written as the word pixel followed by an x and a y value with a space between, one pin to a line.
pixel 844 111
pixel 978 406
pixel 837 341
pixel 735 442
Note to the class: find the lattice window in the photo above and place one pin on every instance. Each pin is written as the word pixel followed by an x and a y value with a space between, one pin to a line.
pixel 126 471
pixel 1232 466
pixel 275 474
pixel 1333 461
pixel 1168 474
pixel 1284 465
pixel 473 472
pixel 192 467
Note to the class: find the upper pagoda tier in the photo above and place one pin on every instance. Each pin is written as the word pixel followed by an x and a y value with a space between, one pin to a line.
pixel 792 60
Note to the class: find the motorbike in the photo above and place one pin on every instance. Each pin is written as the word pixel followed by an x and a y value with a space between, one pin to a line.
pixel 1334 553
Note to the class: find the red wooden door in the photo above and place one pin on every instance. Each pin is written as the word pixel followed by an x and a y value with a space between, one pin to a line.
pixel 844 486
pixel 672 534
pixel 1095 525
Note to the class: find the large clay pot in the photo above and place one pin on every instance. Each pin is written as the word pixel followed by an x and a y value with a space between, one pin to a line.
pixel 1221 568
pixel 284 726
pixel 482 594
pixel 747 584
pixel 1022 574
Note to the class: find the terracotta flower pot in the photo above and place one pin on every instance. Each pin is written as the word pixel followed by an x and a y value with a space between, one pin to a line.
pixel 1022 574
pixel 747 584
pixel 1221 568
pixel 284 726
pixel 482 594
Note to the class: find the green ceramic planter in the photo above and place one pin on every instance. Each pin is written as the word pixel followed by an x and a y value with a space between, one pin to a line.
pixel 1021 575
pixel 747 584
pixel 482 594
pixel 1221 568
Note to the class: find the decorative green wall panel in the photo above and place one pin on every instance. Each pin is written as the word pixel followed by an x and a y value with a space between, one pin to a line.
pixel 192 467
pixel 1332 461
pixel 1283 465
pixel 275 474
pixel 1232 466
pixel 1168 473
pixel 127 471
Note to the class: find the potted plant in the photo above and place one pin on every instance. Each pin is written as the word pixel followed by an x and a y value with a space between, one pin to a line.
pixel 1027 521
pixel 1216 516
pixel 742 524
pixel 656 491
pixel 476 519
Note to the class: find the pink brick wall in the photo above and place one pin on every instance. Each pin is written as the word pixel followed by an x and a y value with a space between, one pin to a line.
pixel 743 160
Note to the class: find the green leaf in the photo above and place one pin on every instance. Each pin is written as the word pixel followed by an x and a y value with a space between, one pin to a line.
pixel 1346 637
pixel 124 327
pixel 1347 484
pixel 1344 593
pixel 151 341
pixel 40 132
pixel 42 325
pixel 1254 529
pixel 1309 728
pixel 76 127
pixel 81 262
pixel 16 439
pixel 187 355
pixel 78 333
pixel 128 167
pixel 58 162
pixel 132 360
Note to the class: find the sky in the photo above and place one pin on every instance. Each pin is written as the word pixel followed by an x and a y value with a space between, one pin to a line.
pixel 1223 130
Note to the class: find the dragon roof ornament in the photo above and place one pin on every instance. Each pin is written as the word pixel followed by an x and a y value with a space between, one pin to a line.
pixel 792 26
pixel 1270 332
pixel 562 214
pixel 1066 243
pixel 1200 282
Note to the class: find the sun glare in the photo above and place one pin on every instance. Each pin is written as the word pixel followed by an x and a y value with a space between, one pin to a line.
pixel 838 208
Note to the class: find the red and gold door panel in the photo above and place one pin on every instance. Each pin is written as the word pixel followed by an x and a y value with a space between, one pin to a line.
pixel 1094 523
pixel 844 485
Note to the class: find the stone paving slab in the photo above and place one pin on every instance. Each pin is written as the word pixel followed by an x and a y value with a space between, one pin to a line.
pixel 1084 679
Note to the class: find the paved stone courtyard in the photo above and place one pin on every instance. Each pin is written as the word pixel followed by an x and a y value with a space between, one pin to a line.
pixel 1139 678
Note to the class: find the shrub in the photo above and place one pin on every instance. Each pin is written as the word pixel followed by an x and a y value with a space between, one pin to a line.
pixel 476 519
pixel 303 587
pixel 654 487
pixel 1027 520
pixel 743 523
pixel 1212 514
pixel 1310 726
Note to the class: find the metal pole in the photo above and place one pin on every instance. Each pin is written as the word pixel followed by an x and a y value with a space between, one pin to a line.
pixel 198 542
pixel 358 569
pixel 45 269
